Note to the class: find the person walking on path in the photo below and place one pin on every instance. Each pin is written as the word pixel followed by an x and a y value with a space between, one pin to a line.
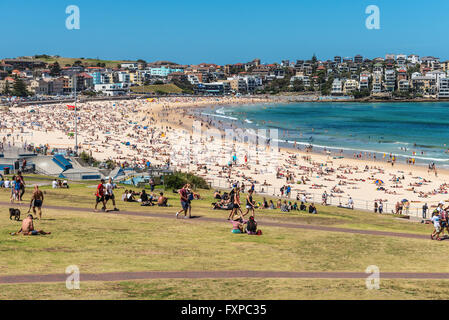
pixel 37 199
pixel 183 193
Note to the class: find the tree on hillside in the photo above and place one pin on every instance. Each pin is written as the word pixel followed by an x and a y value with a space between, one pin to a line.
pixel 185 85
pixel 415 68
pixel 298 85
pixel 327 86
pixel 55 69
pixel 19 88
pixel 6 89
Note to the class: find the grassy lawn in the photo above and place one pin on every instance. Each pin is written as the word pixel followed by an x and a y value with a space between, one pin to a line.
pixel 242 289
pixel 164 88
pixel 107 242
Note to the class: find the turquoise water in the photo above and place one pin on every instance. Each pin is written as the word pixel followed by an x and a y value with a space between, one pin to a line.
pixel 397 128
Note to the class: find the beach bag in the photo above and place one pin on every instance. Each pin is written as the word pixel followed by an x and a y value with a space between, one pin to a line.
pixel 259 232
pixel 251 226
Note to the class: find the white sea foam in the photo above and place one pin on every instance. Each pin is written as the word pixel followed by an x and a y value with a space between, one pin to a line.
pixel 219 116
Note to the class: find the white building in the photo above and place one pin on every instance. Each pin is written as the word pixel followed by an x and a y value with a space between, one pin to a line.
pixel 337 87
pixel 364 81
pixel 112 89
pixel 401 60
pixel 124 77
pixel 350 86
pixel 390 80
pixel 130 65
pixel 377 82
pixel 443 89
pixel 413 58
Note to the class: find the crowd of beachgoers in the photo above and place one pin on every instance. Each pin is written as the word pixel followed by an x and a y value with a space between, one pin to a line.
pixel 165 132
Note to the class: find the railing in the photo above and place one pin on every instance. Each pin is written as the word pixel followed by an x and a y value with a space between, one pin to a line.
pixel 342 201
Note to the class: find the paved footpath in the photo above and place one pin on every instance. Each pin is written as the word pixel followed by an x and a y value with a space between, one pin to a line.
pixel 148 275
pixel 260 222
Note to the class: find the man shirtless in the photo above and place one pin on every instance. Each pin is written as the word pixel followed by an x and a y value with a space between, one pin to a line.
pixel 28 228
pixel 37 200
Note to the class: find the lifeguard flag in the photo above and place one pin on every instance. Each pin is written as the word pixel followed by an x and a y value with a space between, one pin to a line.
pixel 71 107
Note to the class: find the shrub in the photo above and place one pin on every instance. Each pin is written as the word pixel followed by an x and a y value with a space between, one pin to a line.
pixel 179 179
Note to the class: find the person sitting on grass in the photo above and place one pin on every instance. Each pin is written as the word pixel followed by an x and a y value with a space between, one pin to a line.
pixel 265 204
pixel 271 207
pixel 28 228
pixel 302 207
pixel 130 196
pixel 217 195
pixel 284 207
pixel 162 201
pixel 251 226
pixel 145 200
pixel 125 196
pixel 238 225
pixel 312 209
pixel 295 207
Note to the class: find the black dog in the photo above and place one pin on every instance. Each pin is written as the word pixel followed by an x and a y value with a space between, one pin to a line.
pixel 14 213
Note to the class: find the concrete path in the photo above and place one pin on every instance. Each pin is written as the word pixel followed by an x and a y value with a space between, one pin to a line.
pixel 148 275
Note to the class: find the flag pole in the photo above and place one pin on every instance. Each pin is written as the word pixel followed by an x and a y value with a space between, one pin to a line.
pixel 76 123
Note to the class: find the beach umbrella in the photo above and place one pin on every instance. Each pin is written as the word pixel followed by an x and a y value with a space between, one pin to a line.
pixel 404 200
pixel 378 181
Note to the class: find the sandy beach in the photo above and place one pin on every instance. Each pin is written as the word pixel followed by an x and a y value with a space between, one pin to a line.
pixel 164 131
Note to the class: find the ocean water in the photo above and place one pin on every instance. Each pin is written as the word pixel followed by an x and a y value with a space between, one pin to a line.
pixel 397 128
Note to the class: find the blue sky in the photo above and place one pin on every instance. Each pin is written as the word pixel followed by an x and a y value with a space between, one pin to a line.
pixel 221 32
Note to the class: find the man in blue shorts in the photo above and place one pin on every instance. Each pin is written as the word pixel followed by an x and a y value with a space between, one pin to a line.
pixel 185 204
pixel 28 228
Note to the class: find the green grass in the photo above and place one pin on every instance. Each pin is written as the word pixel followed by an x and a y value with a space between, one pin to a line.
pixel 106 242
pixel 164 88
pixel 241 289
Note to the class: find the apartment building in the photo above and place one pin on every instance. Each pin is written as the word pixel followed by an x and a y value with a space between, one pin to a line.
pixel 112 89
pixel 350 86
pixel 377 82
pixel 390 80
pixel 364 81
pixel 337 87
pixel 403 85
pixel 443 89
